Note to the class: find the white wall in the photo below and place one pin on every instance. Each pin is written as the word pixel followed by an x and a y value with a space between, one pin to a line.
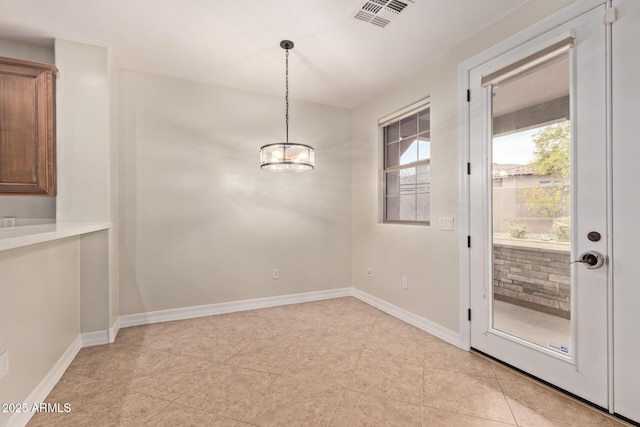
pixel 52 292
pixel 94 282
pixel 83 132
pixel 427 256
pixel 39 312
pixel 200 223
pixel 87 169
pixel 626 232
pixel 114 192
pixel 28 210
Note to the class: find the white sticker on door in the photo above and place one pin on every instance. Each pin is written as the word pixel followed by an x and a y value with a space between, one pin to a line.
pixel 559 348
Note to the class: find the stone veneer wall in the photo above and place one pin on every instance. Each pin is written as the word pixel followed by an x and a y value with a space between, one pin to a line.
pixel 536 278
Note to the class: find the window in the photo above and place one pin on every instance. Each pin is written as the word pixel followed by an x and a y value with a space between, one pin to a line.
pixel 407 163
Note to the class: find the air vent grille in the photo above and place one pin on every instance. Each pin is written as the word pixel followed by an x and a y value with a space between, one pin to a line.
pixel 379 12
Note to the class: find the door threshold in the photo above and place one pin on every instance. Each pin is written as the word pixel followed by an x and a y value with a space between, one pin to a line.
pixel 585 402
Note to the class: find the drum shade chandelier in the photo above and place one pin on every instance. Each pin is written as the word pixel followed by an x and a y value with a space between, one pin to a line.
pixel 286 156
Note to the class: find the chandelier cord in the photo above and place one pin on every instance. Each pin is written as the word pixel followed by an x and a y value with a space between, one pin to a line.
pixel 286 95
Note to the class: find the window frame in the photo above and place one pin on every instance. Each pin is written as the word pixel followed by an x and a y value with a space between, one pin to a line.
pixel 383 123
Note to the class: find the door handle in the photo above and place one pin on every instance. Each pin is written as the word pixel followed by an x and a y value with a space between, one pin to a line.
pixel 593 259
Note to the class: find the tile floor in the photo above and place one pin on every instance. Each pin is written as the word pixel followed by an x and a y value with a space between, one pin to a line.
pixel 337 362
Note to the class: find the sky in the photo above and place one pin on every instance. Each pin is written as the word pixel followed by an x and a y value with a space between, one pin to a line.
pixel 412 152
pixel 516 148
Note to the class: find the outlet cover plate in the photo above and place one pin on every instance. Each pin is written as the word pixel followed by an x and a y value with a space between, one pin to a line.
pixel 445 223
pixel 9 222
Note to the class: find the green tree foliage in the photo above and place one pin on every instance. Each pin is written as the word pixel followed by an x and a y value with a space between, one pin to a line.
pixel 549 202
pixel 517 229
pixel 552 159
pixel 552 153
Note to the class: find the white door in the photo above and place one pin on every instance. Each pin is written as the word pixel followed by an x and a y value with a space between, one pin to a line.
pixel 538 200
pixel 626 205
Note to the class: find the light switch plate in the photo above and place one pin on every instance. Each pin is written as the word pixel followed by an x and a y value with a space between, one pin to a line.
pixel 445 223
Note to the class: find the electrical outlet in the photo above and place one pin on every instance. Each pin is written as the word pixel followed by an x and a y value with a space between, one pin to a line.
pixel 4 364
pixel 405 283
pixel 276 274
pixel 9 222
pixel 369 272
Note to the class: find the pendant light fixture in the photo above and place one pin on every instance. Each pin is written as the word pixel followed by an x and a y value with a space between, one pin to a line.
pixel 286 156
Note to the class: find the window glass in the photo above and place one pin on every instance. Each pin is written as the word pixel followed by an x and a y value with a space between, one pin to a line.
pixel 422 208
pixel 392 154
pixel 423 184
pixel 392 212
pixel 424 120
pixel 409 126
pixel 392 132
pixel 408 151
pixel 424 147
pixel 407 162
pixel 392 183
pixel 408 207
pixel 408 181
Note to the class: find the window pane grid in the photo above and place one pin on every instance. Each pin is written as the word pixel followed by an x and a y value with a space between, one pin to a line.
pixel 410 166
pixel 407 161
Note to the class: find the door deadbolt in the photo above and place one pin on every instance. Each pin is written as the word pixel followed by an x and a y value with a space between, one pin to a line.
pixel 592 259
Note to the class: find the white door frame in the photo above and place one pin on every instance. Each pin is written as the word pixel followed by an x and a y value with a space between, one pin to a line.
pixel 464 69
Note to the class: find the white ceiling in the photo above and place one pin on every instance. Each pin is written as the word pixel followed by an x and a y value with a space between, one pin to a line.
pixel 337 60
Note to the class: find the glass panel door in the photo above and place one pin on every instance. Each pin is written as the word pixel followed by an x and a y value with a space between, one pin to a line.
pixel 531 208
pixel 538 198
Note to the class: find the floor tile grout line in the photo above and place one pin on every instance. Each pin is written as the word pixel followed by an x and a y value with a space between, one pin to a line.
pixel 255 402
pixel 559 393
pixel 422 390
pixel 335 409
pixel 475 415
pixel 513 415
pixel 368 334
pixel 424 385
pixel 569 399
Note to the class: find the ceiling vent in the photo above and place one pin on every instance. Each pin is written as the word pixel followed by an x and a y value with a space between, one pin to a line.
pixel 380 12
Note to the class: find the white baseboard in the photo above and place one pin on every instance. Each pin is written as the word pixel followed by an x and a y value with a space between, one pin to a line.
pixel 90 339
pixel 113 331
pixel 228 307
pixel 42 390
pixel 434 329
pixel 87 339
pixel 108 336
pixel 428 326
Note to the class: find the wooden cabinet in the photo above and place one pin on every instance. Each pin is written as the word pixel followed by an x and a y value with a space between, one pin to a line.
pixel 27 128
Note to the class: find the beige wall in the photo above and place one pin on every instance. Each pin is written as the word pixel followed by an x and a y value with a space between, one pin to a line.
pixel 200 223
pixel 51 292
pixel 94 282
pixel 427 256
pixel 87 169
pixel 114 191
pixel 39 312
pixel 28 210
pixel 83 132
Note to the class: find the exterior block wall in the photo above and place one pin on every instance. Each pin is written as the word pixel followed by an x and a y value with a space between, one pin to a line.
pixel 536 278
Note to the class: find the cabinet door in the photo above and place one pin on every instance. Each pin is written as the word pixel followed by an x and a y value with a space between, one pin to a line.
pixel 27 128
